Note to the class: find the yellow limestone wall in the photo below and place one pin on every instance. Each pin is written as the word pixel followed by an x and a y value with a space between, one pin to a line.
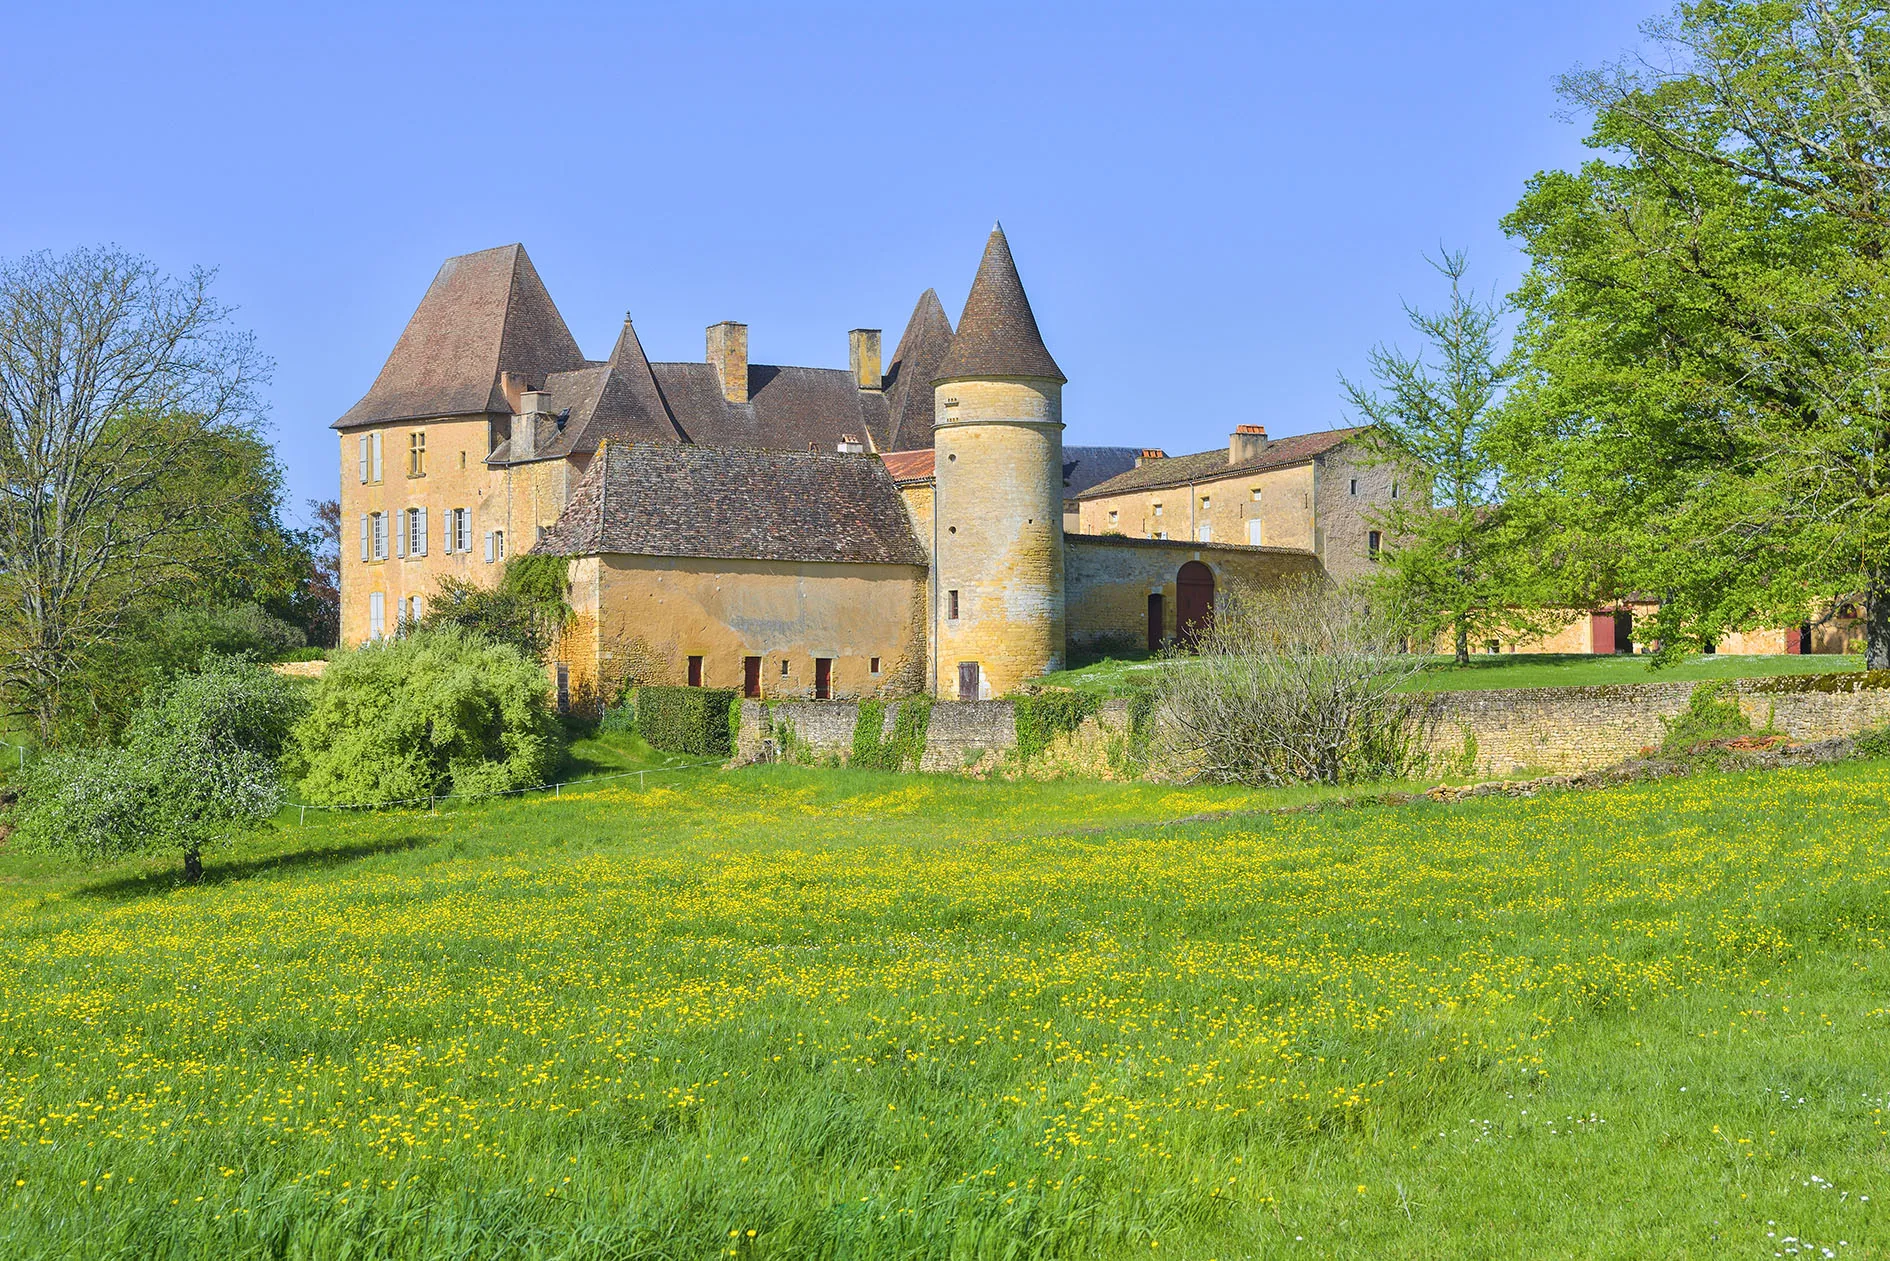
pixel 643 617
pixel 1108 581
pixel 1284 508
pixel 999 505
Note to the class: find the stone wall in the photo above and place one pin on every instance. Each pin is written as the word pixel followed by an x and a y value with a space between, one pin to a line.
pixel 1546 729
pixel 1108 581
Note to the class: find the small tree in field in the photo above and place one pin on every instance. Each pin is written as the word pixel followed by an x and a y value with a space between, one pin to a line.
pixel 197 769
pixel 1454 562
pixel 1291 684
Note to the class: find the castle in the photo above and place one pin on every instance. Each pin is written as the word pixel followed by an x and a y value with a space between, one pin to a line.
pixel 809 532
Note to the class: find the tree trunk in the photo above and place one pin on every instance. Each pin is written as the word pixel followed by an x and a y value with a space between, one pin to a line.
pixel 193 866
pixel 1463 643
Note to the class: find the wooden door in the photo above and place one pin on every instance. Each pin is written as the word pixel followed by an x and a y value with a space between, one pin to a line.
pixel 1156 628
pixel 1194 604
pixel 967 680
pixel 751 677
pixel 823 678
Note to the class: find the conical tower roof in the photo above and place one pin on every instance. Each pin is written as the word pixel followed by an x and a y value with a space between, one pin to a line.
pixel 997 335
pixel 915 363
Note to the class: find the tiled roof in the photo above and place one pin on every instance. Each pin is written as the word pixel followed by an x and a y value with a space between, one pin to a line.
pixel 483 314
pixel 1084 467
pixel 911 466
pixel 997 335
pixel 908 382
pixel 1203 466
pixel 735 504
pixel 788 409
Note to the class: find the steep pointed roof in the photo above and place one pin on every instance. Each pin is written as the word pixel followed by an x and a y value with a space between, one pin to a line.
pixel 483 314
pixel 908 383
pixel 630 406
pixel 997 335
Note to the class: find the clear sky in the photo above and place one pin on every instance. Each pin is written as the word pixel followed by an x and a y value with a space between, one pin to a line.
pixel 1215 209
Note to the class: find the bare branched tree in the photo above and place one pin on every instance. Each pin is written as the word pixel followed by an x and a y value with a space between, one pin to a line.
pixel 1292 684
pixel 113 377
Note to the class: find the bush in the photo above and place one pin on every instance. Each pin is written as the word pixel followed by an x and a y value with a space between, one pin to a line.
pixel 904 749
pixel 1873 743
pixel 1046 715
pixel 429 714
pixel 1296 683
pixel 1712 713
pixel 693 720
pixel 197 768
pixel 527 610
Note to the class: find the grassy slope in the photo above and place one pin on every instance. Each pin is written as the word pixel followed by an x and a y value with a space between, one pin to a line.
pixel 1113 676
pixel 869 1015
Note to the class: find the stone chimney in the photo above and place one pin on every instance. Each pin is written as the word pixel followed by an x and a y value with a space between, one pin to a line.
pixel 728 351
pixel 1247 442
pixel 533 406
pixel 850 444
pixel 863 357
pixel 1150 453
pixel 512 384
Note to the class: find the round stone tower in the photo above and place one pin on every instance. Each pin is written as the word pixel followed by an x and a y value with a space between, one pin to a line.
pixel 998 439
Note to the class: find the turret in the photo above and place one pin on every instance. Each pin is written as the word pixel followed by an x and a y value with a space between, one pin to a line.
pixel 998 438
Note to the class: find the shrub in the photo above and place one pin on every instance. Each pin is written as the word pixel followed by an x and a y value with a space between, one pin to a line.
pixel 1873 743
pixel 527 610
pixel 1044 716
pixel 431 713
pixel 905 748
pixel 1295 683
pixel 693 720
pixel 1712 713
pixel 197 768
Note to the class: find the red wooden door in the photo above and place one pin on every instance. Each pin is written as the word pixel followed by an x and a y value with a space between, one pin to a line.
pixel 1602 634
pixel 751 677
pixel 1194 604
pixel 823 678
pixel 967 680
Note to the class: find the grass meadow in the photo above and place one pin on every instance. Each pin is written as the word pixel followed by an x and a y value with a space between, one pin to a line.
pixel 791 1013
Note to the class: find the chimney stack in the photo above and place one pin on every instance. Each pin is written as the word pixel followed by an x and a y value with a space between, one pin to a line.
pixel 863 357
pixel 850 444
pixel 1150 453
pixel 533 406
pixel 728 351
pixel 1247 442
pixel 512 384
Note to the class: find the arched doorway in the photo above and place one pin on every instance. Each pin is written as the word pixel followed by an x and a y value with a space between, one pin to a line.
pixel 1194 602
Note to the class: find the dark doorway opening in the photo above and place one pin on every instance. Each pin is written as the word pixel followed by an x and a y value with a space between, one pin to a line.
pixel 695 672
pixel 823 678
pixel 751 677
pixel 1194 604
pixel 967 680
pixel 1624 630
pixel 1155 625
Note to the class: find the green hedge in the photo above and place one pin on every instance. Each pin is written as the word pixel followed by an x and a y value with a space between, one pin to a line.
pixel 906 746
pixel 692 720
pixel 1047 715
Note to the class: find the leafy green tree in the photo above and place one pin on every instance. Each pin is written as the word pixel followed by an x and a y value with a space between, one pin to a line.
pixel 527 609
pixel 1703 414
pixel 197 769
pixel 1453 558
pixel 429 713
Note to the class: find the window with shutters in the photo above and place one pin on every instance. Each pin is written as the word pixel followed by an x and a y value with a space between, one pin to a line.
pixel 376 614
pixel 489 552
pixel 374 536
pixel 367 537
pixel 417 453
pixel 413 610
pixel 362 456
pixel 498 540
pixel 374 453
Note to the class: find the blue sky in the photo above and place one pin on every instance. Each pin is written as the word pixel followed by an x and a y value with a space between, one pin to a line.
pixel 1216 209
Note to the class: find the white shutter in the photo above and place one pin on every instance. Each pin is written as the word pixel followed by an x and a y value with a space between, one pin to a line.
pixel 364 458
pixel 376 615
pixel 488 547
pixel 1253 531
pixel 420 532
pixel 367 538
pixel 377 455
pixel 446 541
pixel 400 532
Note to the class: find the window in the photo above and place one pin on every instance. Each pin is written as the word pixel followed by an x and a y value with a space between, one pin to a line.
pixel 367 537
pixel 695 671
pixel 564 687
pixel 1114 516
pixel 368 453
pixel 462 459
pixel 1156 509
pixel 1371 544
pixel 411 610
pixel 784 667
pixel 413 537
pixel 417 453
pixel 1253 532
pixel 1207 501
pixel 873 666
pixel 1256 494
pixel 495 545
pixel 458 530
pixel 363 456
pixel 951 606
pixel 1159 534
pixel 376 615
pixel 1204 533
pixel 1355 485
pixel 373 536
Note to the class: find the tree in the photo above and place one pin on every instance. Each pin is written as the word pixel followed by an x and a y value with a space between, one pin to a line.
pixel 1453 560
pixel 324 579
pixel 115 383
pixel 197 769
pixel 1704 410
pixel 527 610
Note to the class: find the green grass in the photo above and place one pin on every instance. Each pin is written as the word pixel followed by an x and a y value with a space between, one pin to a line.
pixel 866 1015
pixel 1114 676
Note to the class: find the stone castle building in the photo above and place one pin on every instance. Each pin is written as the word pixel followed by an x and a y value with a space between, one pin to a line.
pixel 878 529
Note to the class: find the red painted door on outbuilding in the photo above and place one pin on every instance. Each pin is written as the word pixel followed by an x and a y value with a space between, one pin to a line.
pixel 1194 601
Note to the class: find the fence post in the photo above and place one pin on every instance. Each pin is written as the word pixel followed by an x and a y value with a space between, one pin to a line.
pixel 557 791
pixel 640 775
pixel 303 821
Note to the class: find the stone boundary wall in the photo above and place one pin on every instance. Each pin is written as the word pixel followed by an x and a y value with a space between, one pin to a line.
pixel 1555 729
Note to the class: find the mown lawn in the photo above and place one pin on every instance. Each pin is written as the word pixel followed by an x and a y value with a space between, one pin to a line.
pixel 1115 676
pixel 786 1013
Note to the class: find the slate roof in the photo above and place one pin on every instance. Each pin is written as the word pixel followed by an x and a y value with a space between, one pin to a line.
pixel 787 409
pixel 1204 466
pixel 483 314
pixel 735 504
pixel 997 335
pixel 1084 467
pixel 908 382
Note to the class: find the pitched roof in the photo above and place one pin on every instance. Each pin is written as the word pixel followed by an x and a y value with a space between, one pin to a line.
pixel 908 383
pixel 912 466
pixel 735 504
pixel 483 314
pixel 997 335
pixel 1204 466
pixel 788 409
pixel 1084 467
